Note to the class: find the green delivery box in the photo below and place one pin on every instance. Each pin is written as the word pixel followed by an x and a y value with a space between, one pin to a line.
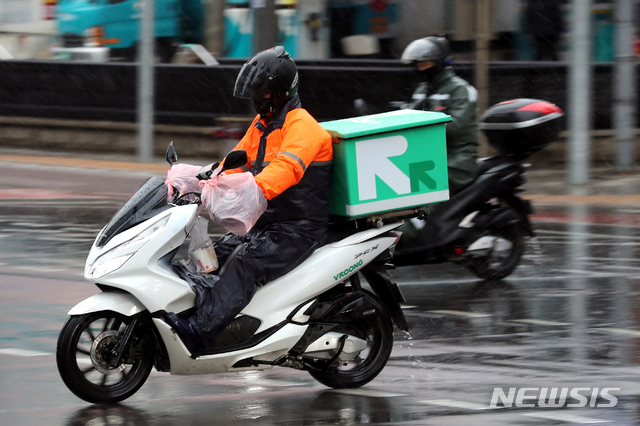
pixel 386 162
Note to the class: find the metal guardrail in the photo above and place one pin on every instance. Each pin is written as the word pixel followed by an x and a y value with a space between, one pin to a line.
pixel 201 95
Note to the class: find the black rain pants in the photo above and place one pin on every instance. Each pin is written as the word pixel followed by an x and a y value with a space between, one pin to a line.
pixel 271 252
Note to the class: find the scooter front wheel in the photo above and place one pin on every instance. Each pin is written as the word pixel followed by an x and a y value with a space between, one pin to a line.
pixel 84 354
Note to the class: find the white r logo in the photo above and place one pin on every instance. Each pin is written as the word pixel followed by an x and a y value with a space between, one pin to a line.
pixel 372 159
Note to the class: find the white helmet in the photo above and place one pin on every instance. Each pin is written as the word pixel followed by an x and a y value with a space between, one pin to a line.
pixel 434 49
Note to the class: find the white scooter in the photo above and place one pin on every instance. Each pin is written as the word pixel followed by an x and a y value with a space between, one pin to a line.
pixel 316 318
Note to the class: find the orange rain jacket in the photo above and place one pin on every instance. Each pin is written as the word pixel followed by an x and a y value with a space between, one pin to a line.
pixel 290 157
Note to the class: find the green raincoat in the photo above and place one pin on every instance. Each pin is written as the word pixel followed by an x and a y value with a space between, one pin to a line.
pixel 453 96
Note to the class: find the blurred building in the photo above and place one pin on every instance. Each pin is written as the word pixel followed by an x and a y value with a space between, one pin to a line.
pixel 27 28
pixel 321 29
pixel 379 28
pixel 602 32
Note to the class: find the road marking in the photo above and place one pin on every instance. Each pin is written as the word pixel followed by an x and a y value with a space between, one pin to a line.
pixel 272 382
pixel 455 281
pixel 540 322
pixel 63 239
pixel 616 267
pixel 16 270
pixel 39 269
pixel 577 242
pixel 461 313
pixel 459 404
pixel 586 234
pixel 33 193
pixel 238 396
pixel 520 279
pixel 594 274
pixel 22 352
pixel 254 380
pixel 408 306
pixel 84 163
pixel 583 199
pixel 368 392
pixel 618 330
pixel 566 417
pixel 609 259
pixel 627 244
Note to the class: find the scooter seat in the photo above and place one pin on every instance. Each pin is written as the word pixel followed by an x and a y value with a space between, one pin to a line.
pixel 487 163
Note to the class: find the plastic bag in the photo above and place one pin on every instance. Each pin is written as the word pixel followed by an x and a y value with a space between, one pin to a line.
pixel 235 201
pixel 183 178
pixel 201 250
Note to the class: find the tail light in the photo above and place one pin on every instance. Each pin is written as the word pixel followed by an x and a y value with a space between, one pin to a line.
pixel 397 235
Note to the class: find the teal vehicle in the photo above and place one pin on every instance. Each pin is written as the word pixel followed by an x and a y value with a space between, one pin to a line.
pixel 114 24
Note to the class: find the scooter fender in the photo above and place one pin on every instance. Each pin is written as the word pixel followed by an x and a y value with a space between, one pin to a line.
pixel 122 303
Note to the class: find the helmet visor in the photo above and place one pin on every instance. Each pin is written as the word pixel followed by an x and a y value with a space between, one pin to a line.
pixel 251 78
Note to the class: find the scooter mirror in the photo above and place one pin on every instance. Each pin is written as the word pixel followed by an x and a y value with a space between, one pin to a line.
pixel 171 156
pixel 235 159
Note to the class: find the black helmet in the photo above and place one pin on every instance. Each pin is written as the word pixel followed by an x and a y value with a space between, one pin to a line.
pixel 271 71
pixel 433 48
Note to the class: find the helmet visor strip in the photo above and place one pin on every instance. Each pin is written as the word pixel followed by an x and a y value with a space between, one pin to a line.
pixel 251 77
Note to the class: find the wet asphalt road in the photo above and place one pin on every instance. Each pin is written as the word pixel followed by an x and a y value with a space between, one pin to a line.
pixel 569 317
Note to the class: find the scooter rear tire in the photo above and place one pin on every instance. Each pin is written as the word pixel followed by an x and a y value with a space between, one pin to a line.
pixel 380 339
pixel 84 342
pixel 487 268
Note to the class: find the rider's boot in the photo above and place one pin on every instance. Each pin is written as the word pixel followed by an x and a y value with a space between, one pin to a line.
pixel 186 331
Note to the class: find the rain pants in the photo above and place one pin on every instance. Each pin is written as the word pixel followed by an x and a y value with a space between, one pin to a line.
pixel 290 156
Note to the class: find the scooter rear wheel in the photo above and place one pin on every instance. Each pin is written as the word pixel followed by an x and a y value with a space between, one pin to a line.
pixel 369 363
pixel 84 352
pixel 498 265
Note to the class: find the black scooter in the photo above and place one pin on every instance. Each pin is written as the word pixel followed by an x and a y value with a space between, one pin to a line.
pixel 485 225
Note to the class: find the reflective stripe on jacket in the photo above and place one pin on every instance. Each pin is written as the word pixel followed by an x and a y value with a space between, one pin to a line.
pixel 290 157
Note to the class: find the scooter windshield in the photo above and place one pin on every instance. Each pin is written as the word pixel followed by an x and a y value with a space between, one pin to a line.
pixel 149 200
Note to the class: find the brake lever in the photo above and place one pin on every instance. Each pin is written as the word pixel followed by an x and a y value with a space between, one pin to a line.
pixel 176 195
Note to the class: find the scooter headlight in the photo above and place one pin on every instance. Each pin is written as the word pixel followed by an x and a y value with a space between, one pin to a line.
pixel 101 266
pixel 144 235
pixel 100 269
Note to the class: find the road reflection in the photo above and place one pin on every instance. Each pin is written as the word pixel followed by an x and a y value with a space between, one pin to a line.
pixel 321 408
pixel 331 408
pixel 109 415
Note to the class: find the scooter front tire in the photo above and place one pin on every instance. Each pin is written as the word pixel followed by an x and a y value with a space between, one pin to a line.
pixel 82 356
